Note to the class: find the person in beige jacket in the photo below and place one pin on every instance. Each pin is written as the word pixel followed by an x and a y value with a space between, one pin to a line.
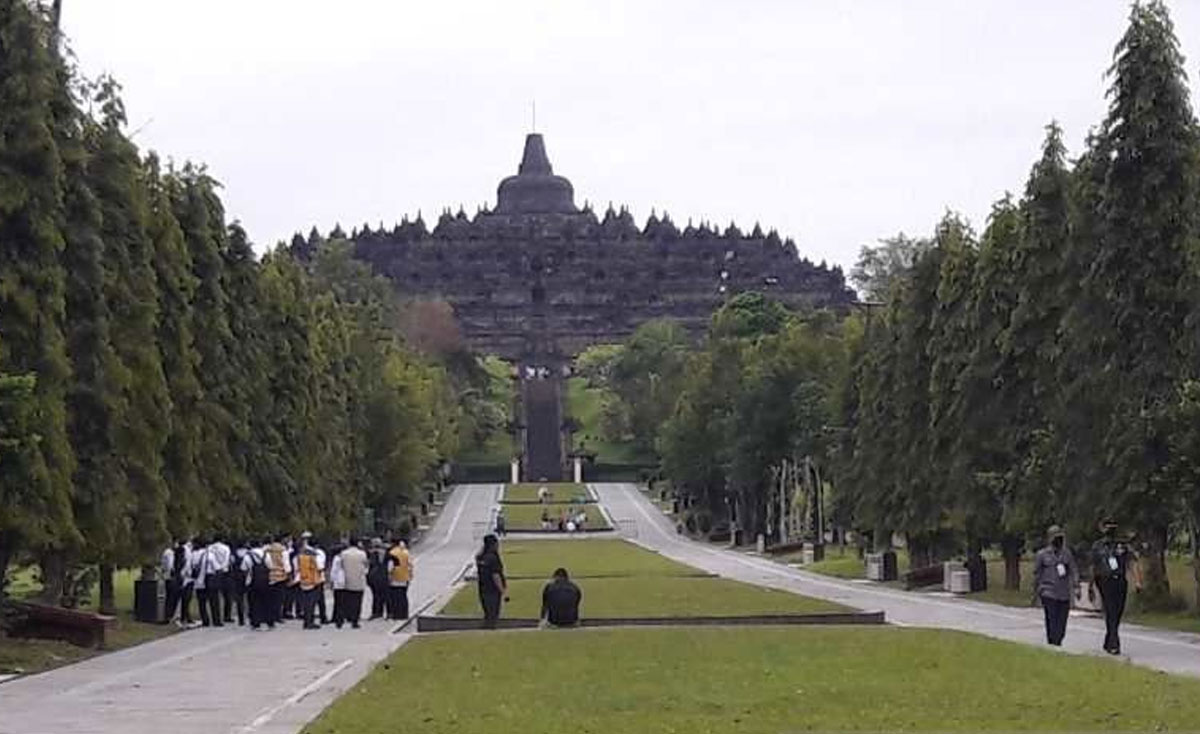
pixel 351 568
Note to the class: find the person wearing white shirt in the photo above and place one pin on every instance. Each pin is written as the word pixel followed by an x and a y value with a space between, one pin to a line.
pixel 176 568
pixel 205 581
pixel 322 560
pixel 219 592
pixel 337 580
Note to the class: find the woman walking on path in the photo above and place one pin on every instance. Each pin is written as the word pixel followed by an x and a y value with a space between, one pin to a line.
pixel 492 585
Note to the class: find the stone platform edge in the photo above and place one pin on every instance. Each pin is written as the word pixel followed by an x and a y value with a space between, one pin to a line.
pixel 463 624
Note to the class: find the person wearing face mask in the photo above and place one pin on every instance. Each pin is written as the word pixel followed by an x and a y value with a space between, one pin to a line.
pixel 1054 576
pixel 1113 564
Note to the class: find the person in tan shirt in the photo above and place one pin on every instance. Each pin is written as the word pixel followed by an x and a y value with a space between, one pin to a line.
pixel 352 566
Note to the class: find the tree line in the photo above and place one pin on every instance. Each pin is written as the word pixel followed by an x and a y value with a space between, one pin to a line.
pixel 1043 371
pixel 156 377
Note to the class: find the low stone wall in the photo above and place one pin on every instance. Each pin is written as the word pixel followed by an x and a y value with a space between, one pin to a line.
pixel 462 624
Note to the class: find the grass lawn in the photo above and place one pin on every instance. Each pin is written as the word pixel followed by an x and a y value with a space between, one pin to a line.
pixel 31 656
pixel 651 596
pixel 752 681
pixel 559 491
pixel 620 579
pixel 529 517
pixel 537 559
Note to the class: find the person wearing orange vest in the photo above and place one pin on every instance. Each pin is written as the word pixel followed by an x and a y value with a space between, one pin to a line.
pixel 279 565
pixel 400 575
pixel 309 572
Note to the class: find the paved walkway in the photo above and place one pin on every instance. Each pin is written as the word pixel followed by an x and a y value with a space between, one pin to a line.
pixel 213 681
pixel 639 519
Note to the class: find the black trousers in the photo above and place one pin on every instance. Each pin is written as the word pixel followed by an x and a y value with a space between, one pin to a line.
pixel 308 604
pixel 291 602
pixel 185 604
pixel 209 601
pixel 1057 611
pixel 397 602
pixel 1113 592
pixel 378 600
pixel 320 604
pixel 491 608
pixel 235 599
pixel 339 604
pixel 174 589
pixel 352 607
pixel 224 591
pixel 275 594
pixel 261 611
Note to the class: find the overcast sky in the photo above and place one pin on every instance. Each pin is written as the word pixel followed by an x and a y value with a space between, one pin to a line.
pixel 835 122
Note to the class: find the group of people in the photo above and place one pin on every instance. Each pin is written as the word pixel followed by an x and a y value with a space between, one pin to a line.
pixel 1056 576
pixel 560 597
pixel 281 578
pixel 567 522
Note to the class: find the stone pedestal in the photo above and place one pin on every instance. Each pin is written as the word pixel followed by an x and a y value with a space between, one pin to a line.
pixel 578 470
pixel 515 472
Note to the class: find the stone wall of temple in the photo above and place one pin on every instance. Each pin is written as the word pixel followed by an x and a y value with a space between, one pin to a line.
pixel 556 283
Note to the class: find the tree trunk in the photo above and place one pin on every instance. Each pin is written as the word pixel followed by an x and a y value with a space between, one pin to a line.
pixel 6 553
pixel 54 575
pixel 108 600
pixel 1010 547
pixel 1156 588
pixel 1196 563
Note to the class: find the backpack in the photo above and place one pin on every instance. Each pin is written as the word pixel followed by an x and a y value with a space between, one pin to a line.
pixel 377 571
pixel 198 562
pixel 260 575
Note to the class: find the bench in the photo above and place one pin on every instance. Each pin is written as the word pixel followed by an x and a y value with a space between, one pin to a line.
pixel 925 576
pixel 85 629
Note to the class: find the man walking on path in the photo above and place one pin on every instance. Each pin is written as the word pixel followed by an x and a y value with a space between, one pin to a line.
pixel 1054 577
pixel 493 587
pixel 353 562
pixel 1113 562
pixel 176 569
pixel 308 580
pixel 560 600
pixel 258 585
pixel 400 574
pixel 204 582
pixel 219 556
pixel 279 575
pixel 236 581
pixel 377 578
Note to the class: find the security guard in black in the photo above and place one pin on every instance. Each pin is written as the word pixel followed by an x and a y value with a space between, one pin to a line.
pixel 1111 559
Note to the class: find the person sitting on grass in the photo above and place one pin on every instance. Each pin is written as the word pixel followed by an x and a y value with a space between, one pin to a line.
pixel 560 600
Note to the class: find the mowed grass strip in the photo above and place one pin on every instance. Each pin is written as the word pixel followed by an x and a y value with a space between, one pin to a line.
pixel 650 596
pixel 592 557
pixel 751 681
pixel 529 517
pixel 560 492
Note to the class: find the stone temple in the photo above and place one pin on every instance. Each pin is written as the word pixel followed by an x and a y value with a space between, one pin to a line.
pixel 538 279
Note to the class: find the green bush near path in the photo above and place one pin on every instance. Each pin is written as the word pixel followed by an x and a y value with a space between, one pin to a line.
pixel 751 681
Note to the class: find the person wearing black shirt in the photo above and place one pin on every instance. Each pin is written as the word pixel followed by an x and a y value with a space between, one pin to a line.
pixel 560 600
pixel 1113 562
pixel 492 585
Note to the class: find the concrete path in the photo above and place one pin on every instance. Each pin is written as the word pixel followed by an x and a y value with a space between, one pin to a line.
pixel 638 519
pixel 213 681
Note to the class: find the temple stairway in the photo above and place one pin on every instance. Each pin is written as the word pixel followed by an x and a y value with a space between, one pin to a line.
pixel 542 401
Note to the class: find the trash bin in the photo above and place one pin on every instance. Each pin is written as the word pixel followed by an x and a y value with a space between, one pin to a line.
pixel 149 600
pixel 960 581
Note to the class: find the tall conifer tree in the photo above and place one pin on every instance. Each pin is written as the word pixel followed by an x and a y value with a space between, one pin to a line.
pixel 36 500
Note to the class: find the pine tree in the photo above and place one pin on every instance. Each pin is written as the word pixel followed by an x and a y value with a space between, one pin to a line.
pixel 117 177
pixel 1140 286
pixel 97 402
pixel 201 218
pixel 176 286
pixel 37 497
